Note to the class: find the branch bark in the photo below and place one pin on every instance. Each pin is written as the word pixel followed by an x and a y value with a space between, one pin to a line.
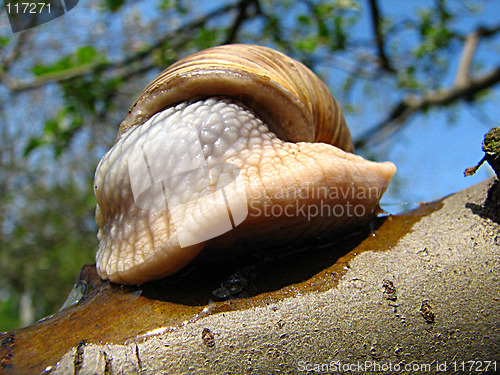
pixel 422 290
pixel 134 64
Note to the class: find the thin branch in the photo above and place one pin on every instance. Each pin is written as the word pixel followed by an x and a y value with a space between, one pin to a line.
pixel 470 45
pixel 16 50
pixel 486 32
pixel 444 15
pixel 131 64
pixel 411 105
pixel 242 16
pixel 384 61
pixel 276 31
pixel 464 88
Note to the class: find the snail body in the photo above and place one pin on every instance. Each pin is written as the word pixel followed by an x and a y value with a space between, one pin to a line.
pixel 234 144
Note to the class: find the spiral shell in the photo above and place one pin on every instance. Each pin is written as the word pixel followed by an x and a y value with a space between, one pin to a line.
pixel 295 103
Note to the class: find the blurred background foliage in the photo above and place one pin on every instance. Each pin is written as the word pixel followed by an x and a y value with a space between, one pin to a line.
pixel 66 85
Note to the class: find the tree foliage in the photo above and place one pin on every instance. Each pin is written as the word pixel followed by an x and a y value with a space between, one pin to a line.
pixel 64 87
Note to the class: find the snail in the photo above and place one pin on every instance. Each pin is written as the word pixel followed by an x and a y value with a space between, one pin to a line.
pixel 232 146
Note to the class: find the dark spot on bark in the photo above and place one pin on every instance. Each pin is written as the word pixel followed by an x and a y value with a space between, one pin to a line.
pixel 389 290
pixel 78 360
pixel 208 337
pixel 426 311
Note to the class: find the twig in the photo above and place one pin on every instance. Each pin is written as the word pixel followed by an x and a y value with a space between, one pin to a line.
pixel 384 61
pixel 411 104
pixel 470 45
pixel 14 53
pixel 243 15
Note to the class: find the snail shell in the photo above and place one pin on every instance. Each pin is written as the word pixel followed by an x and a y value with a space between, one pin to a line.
pixel 234 144
pixel 292 100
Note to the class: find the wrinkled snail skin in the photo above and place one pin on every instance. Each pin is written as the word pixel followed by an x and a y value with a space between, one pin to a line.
pixel 276 164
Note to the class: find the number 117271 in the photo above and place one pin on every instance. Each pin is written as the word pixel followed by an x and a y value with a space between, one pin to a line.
pixel 25 8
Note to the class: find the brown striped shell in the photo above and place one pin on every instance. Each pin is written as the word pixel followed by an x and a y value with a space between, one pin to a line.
pixel 294 102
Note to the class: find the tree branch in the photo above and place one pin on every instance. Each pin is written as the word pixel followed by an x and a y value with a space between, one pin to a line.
pixel 243 6
pixel 384 61
pixel 14 53
pixel 470 45
pixel 464 87
pixel 130 64
pixel 411 104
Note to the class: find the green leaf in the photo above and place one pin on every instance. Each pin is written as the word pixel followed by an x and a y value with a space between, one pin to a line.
pixel 82 56
pixel 57 132
pixel 9 316
pixel 206 38
pixel 51 127
pixel 33 144
pixel 114 5
pixel 62 64
pixel 165 4
pixel 4 41
pixel 86 54
pixel 340 37
pixel 304 20
pixel 307 45
pixel 407 79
